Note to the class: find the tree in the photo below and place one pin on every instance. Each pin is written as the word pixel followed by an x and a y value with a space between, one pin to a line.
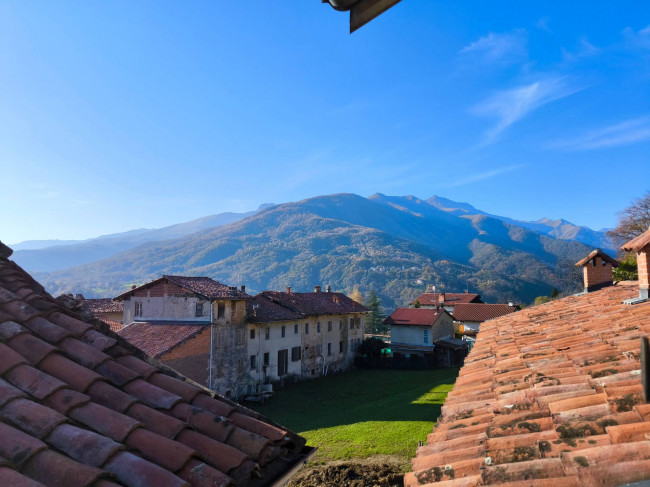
pixel 356 295
pixel 627 270
pixel 416 304
pixel 554 293
pixel 541 300
pixel 375 319
pixel 371 347
pixel 632 221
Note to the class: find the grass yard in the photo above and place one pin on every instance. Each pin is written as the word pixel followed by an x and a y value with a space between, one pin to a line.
pixel 364 413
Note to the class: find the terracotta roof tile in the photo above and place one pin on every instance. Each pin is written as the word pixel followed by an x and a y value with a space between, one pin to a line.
pixel 81 406
pixel 414 316
pixel 204 286
pixel 312 304
pixel 550 396
pixel 638 243
pixel 158 338
pixel 597 253
pixel 101 305
pixel 481 312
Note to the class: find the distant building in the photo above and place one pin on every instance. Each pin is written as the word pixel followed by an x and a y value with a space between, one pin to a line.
pixel 471 315
pixel 105 309
pixel 445 300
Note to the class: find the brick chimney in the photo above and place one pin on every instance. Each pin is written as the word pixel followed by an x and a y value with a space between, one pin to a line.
pixel 441 298
pixel 288 289
pixel 597 270
pixel 316 289
pixel 641 245
pixel 243 288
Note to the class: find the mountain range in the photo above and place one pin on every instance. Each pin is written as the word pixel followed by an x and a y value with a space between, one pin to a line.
pixel 393 245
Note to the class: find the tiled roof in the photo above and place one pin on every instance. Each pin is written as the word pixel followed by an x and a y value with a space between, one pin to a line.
pixel 451 299
pixel 205 286
pixel 113 325
pixel 103 305
pixel 156 338
pixel 414 316
pixel 597 253
pixel 314 304
pixel 548 396
pixel 263 308
pixel 481 312
pixel 638 243
pixel 80 406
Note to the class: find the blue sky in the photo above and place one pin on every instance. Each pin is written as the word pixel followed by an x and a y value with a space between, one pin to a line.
pixel 121 115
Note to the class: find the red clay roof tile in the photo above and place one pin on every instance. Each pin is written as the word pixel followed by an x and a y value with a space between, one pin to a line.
pixel 481 312
pixel 15 479
pixel 157 421
pixel 450 299
pixel 158 338
pixel 54 469
pixel 167 453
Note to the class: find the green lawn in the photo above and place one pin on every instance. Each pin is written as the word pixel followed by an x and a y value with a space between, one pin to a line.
pixel 364 413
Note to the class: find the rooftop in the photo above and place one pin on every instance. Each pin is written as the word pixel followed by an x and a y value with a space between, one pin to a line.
pixel 414 316
pixel 451 299
pixel 80 406
pixel 550 395
pixel 316 303
pixel 203 286
pixel 155 338
pixel 482 312
pixel 101 305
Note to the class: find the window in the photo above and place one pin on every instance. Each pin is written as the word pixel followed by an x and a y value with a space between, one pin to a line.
pixel 340 324
pixel 306 328
pixel 318 327
pixel 283 329
pixel 138 309
pixel 283 362
pixel 266 359
pixel 319 349
pixel 241 335
pixel 233 308
pixel 240 366
pixel 426 336
pixel 253 360
pixel 329 326
pixel 267 331
pixel 351 323
pixel 295 329
pixel 252 334
pixel 295 354
pixel 199 310
pixel 340 347
pixel 221 310
pixel 329 349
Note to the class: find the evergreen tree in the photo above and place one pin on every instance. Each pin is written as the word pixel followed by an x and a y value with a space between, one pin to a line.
pixel 375 319
pixel 554 293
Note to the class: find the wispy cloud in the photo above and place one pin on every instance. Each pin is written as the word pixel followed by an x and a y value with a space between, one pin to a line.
pixel 543 24
pixel 508 107
pixel 639 39
pixel 505 47
pixel 624 133
pixel 584 49
pixel 484 175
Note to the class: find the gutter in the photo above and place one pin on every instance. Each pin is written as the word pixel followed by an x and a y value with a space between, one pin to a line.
pixel 286 477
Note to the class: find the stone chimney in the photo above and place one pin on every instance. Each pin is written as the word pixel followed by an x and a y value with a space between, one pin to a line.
pixel 316 289
pixel 597 270
pixel 441 299
pixel 328 289
pixel 641 245
pixel 243 288
pixel 288 289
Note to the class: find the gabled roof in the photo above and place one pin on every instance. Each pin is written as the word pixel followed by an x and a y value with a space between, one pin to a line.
pixel 315 304
pixel 263 309
pixel 203 286
pixel 80 406
pixel 597 253
pixel 481 311
pixel 102 305
pixel 156 338
pixel 638 243
pixel 550 395
pixel 414 316
pixel 451 299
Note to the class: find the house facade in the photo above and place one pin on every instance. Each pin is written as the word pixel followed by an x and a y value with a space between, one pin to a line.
pixel 305 335
pixel 448 301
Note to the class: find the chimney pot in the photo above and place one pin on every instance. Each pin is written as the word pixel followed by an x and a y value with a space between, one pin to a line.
pixel 441 298
pixel 597 270
pixel 288 290
pixel 641 245
pixel 79 297
pixel 328 288
pixel 511 304
pixel 316 289
pixel 133 286
pixel 243 288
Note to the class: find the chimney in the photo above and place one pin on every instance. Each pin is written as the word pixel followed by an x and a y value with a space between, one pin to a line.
pixel 133 286
pixel 597 269
pixel 441 299
pixel 316 289
pixel 328 289
pixel 466 291
pixel 79 297
pixel 243 288
pixel 511 304
pixel 641 245
pixel 288 290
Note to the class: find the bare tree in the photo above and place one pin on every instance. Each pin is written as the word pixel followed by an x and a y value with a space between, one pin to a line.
pixel 632 221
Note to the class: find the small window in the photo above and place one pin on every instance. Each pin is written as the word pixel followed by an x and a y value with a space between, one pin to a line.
pixel 283 330
pixel 221 310
pixel 593 262
pixel 266 359
pixel 252 333
pixel 426 336
pixel 295 329
pixel 295 354
pixel 318 327
pixel 306 328
pixel 199 310
pixel 267 332
pixel 138 309
pixel 329 326
pixel 351 323
pixel 340 347
pixel 329 349
pixel 253 360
